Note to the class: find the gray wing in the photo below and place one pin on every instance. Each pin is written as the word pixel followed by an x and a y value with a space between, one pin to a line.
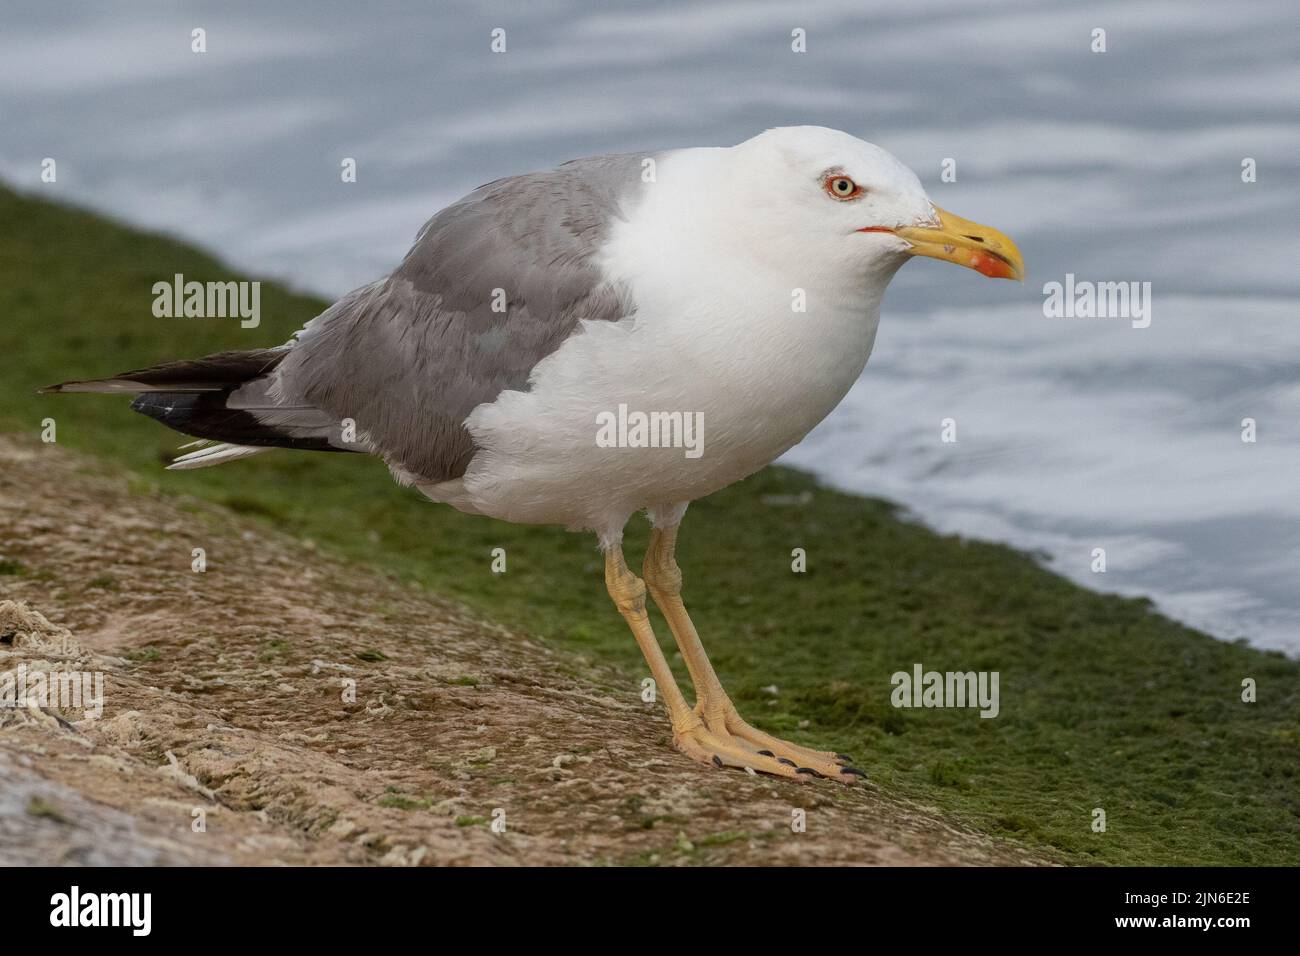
pixel 409 357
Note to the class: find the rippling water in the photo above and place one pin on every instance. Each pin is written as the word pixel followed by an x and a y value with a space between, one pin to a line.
pixel 1073 434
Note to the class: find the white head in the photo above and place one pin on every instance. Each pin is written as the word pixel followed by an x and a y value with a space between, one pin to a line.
pixel 842 204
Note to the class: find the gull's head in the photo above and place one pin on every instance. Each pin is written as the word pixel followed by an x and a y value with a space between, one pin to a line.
pixel 845 204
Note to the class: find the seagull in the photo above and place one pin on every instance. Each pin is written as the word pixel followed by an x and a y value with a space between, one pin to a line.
pixel 621 334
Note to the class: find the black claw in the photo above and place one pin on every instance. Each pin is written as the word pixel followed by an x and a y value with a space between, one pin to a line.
pixel 819 776
pixel 844 757
pixel 766 753
pixel 853 771
pixel 717 761
pixel 788 763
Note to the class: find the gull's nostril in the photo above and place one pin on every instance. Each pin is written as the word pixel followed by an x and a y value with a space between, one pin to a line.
pixel 976 238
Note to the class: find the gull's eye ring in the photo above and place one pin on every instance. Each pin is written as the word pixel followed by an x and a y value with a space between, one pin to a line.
pixel 841 187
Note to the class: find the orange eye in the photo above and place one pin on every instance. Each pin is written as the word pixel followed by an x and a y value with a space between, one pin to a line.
pixel 841 187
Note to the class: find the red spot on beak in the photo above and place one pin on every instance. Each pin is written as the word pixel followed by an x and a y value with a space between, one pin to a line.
pixel 991 265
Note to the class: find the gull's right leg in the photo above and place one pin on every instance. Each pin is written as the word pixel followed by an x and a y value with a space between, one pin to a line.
pixel 690 734
pixel 713 706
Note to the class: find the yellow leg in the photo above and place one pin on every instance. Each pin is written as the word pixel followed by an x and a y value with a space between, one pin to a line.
pixel 690 733
pixel 713 707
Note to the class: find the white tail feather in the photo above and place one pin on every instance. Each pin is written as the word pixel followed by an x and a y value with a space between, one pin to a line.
pixel 212 453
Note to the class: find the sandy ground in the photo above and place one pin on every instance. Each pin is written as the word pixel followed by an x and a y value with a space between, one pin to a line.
pixel 227 736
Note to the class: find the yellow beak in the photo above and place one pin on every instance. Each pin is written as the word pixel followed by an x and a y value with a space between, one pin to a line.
pixel 968 244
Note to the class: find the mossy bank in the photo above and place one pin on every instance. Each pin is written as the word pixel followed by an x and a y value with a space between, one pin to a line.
pixel 1104 704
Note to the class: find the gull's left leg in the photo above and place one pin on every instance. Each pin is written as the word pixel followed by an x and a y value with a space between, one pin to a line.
pixel 712 705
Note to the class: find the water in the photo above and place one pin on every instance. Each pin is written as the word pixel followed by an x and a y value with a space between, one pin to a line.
pixel 1073 434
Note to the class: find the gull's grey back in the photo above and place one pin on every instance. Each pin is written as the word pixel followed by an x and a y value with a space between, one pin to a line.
pixel 409 357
